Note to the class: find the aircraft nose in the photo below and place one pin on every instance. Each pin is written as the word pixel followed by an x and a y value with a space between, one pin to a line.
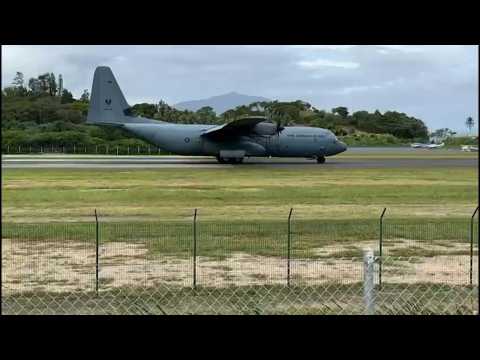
pixel 341 147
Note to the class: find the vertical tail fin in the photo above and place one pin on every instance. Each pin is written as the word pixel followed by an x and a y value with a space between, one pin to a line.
pixel 107 103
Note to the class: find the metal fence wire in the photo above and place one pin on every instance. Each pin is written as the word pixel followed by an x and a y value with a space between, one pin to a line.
pixel 293 266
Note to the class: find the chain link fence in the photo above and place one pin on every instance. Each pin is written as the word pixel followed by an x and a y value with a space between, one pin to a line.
pixel 391 266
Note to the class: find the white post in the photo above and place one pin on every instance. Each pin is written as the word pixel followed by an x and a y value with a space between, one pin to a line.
pixel 368 283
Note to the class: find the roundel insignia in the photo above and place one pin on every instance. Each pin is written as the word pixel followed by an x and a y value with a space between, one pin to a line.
pixel 108 101
pixel 187 139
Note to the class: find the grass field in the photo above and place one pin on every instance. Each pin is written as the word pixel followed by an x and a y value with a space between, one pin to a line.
pixel 238 193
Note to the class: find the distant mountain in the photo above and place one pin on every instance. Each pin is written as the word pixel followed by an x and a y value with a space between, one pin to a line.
pixel 220 103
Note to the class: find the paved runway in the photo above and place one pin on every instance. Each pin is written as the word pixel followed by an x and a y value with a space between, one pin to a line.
pixel 158 162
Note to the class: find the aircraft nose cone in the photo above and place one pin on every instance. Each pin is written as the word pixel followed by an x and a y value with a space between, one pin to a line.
pixel 341 147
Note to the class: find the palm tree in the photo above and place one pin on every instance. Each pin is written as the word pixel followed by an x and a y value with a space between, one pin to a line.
pixel 469 123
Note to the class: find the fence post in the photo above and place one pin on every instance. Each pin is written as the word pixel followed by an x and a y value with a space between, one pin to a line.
pixel 380 249
pixel 368 284
pixel 195 249
pixel 96 252
pixel 117 150
pixel 8 149
pixel 289 241
pixel 472 220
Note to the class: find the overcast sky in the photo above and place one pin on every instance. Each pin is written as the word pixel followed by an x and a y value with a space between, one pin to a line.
pixel 438 84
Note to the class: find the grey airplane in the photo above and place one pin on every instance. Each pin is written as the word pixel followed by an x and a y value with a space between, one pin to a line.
pixel 229 143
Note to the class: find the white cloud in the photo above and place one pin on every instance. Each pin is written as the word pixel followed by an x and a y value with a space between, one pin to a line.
pixel 321 63
pixel 323 47
pixel 404 48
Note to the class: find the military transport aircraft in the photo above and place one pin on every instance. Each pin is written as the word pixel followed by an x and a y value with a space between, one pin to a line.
pixel 229 143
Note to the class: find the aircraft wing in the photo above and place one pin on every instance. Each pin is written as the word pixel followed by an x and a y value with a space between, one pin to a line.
pixel 237 127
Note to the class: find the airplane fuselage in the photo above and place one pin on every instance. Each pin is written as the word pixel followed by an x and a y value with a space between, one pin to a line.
pixel 293 141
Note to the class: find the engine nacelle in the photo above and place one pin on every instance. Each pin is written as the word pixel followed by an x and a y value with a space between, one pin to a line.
pixel 265 128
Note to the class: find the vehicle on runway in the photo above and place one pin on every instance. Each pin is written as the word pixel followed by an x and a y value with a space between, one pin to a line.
pixel 229 143
pixel 427 146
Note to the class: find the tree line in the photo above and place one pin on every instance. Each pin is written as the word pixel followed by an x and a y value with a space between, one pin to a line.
pixel 42 113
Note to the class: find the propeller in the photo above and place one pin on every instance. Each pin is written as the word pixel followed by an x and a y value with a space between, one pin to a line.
pixel 280 128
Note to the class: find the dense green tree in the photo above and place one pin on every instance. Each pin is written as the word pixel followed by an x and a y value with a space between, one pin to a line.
pixel 341 110
pixel 52 85
pixel 44 81
pixel 35 86
pixel 469 123
pixel 144 109
pixel 206 114
pixel 67 97
pixel 18 80
pixel 85 96
pixel 18 85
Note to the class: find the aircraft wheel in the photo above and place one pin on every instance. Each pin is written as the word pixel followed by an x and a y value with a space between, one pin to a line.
pixel 321 159
pixel 229 160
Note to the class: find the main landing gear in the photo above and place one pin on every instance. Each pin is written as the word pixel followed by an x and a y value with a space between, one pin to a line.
pixel 222 160
pixel 321 159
